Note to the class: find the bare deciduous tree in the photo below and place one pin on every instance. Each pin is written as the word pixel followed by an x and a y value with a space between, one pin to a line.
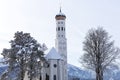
pixel 99 51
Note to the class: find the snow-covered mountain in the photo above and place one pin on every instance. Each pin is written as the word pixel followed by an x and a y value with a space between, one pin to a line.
pixel 76 73
pixel 2 69
pixel 112 73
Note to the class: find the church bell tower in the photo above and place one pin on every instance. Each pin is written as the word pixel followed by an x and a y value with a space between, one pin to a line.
pixel 61 41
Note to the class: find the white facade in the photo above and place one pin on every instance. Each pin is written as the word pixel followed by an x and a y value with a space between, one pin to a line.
pixel 56 68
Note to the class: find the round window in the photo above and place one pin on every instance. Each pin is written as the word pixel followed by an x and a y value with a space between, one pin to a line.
pixel 55 65
pixel 48 65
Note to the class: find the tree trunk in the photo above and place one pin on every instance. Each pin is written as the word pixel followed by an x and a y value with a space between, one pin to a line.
pixel 22 70
pixel 31 67
pixel 99 73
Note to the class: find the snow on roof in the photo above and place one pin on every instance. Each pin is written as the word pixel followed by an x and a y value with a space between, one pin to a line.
pixel 53 54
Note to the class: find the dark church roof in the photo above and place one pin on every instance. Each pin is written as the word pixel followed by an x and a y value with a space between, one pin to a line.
pixel 60 14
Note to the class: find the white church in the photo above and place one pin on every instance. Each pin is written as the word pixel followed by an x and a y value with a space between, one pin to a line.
pixel 56 57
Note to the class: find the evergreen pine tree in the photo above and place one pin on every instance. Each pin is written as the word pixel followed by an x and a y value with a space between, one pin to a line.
pixel 25 54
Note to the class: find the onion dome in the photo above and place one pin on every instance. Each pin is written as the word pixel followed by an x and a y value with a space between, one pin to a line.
pixel 60 16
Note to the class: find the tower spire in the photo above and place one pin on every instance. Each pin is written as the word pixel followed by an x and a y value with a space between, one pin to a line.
pixel 60 9
pixel 60 3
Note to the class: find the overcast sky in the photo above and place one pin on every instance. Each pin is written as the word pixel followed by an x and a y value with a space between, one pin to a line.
pixel 38 18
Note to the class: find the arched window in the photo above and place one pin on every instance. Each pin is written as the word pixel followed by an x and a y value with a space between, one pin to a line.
pixel 47 77
pixel 58 28
pixel 40 77
pixel 54 77
pixel 62 28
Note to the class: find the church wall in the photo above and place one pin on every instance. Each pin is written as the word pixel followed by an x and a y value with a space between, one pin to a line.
pixel 53 69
